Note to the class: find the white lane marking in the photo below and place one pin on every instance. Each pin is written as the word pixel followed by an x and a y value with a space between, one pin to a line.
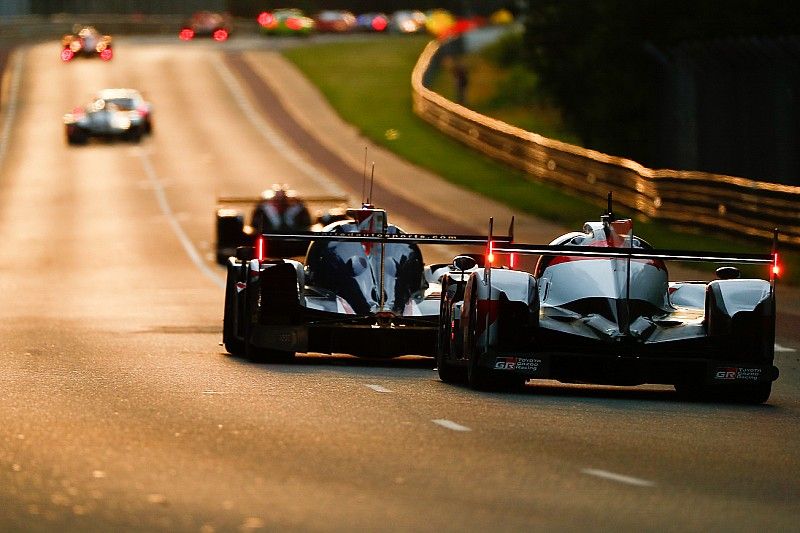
pixel 184 239
pixel 266 131
pixel 618 477
pixel 779 348
pixel 11 110
pixel 449 424
pixel 378 388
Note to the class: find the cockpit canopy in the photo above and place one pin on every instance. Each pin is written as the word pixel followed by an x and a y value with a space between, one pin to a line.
pixel 370 276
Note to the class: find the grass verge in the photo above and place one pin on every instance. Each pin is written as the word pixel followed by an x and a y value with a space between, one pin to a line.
pixel 368 83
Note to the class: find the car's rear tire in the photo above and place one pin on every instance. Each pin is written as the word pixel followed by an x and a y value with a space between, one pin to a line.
pixel 743 394
pixel 233 344
pixel 448 372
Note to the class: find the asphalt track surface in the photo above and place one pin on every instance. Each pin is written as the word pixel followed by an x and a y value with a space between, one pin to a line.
pixel 120 412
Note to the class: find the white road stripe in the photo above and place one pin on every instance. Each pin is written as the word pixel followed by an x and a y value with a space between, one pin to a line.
pixel 269 134
pixel 184 239
pixel 11 109
pixel 618 477
pixel 378 388
pixel 779 348
pixel 449 424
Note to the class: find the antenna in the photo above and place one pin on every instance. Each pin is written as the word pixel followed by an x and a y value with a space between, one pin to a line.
pixel 609 210
pixel 364 178
pixel 371 182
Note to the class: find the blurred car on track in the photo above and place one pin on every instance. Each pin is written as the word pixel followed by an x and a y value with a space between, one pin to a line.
pixel 334 21
pixel 112 114
pixel 364 290
pixel 599 308
pixel 285 22
pixel 86 41
pixel 277 209
pixel 407 21
pixel 141 111
pixel 372 22
pixel 207 24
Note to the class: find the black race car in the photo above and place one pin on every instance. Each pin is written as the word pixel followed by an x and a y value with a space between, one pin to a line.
pixel 207 24
pixel 363 290
pixel 598 308
pixel 86 41
pixel 278 209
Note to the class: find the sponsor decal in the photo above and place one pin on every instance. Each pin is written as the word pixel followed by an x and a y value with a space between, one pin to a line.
pixel 518 363
pixel 240 286
pixel 734 373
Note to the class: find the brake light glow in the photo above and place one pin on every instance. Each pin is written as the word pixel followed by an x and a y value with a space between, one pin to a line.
pixel 220 35
pixel 106 54
pixel 294 24
pixel 265 18
pixel 260 248
pixel 776 266
pixel 379 23
pixel 186 34
pixel 512 261
pixel 490 255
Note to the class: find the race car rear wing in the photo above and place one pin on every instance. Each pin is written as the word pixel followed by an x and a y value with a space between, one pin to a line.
pixel 653 253
pixel 382 237
pixel 230 200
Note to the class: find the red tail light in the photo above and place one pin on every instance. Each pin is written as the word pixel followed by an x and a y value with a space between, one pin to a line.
pixel 776 266
pixel 379 23
pixel 67 54
pixel 106 54
pixel 186 34
pixel 490 254
pixel 265 19
pixel 261 248
pixel 220 35
pixel 512 261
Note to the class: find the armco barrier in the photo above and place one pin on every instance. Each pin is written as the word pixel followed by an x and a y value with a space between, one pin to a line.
pixel 731 204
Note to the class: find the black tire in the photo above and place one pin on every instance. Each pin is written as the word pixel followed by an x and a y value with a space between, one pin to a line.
pixel 233 344
pixel 741 394
pixel 134 135
pixel 448 372
pixel 478 378
pixel 77 139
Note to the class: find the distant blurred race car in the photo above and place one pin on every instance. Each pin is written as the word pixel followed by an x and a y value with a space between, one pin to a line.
pixel 364 290
pixel 372 22
pixel 141 111
pixel 599 308
pixel 407 21
pixel 285 22
pixel 86 41
pixel 334 21
pixel 113 118
pixel 207 24
pixel 278 210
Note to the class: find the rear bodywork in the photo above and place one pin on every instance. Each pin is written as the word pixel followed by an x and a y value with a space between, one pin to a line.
pixel 599 308
pixel 105 119
pixel 86 41
pixel 363 290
